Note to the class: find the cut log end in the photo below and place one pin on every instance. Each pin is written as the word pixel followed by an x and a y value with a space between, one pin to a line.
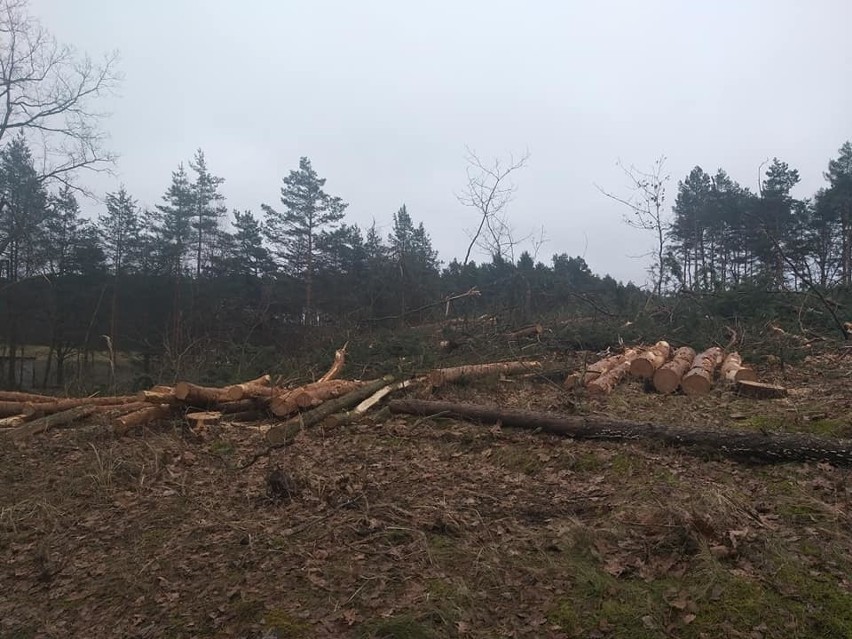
pixel 758 390
pixel 201 420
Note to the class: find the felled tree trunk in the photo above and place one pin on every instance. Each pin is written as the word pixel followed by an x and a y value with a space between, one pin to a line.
pixel 744 444
pixel 292 401
pixel 282 433
pixel 158 395
pixel 246 391
pixel 667 377
pixel 14 396
pixel 699 379
pixel 52 421
pixel 647 363
pixel 200 395
pixel 595 370
pixel 141 417
pixel 733 370
pixel 48 408
pixel 604 383
pixel 441 376
pixel 11 409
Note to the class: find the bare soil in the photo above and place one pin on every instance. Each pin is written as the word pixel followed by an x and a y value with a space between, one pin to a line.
pixel 415 528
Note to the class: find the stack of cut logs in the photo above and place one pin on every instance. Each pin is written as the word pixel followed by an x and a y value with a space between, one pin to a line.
pixel 669 370
pixel 24 414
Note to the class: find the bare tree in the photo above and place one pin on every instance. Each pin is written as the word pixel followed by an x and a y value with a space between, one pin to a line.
pixel 647 209
pixel 47 91
pixel 489 191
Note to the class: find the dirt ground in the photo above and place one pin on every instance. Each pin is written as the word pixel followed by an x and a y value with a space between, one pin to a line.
pixel 419 528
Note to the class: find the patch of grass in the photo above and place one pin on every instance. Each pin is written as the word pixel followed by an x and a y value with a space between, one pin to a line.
pixel 702 603
pixel 585 463
pixel 222 448
pixel 518 459
pixel 247 610
pixel 285 625
pixel 398 627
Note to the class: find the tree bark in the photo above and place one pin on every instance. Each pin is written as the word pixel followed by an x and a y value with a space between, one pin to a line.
pixel 441 376
pixel 48 408
pixel 699 379
pixel 604 383
pixel 736 444
pixel 141 417
pixel 158 396
pixel 200 395
pixel 593 371
pixel 52 421
pixel 13 396
pixel 668 376
pixel 292 401
pixel 733 370
pixel 647 363
pixel 282 433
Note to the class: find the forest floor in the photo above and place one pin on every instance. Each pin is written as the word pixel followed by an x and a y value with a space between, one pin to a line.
pixel 420 528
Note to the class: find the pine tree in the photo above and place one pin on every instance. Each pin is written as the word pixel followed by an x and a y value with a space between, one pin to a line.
pixel 246 256
pixel 415 261
pixel 838 199
pixel 294 232
pixel 175 222
pixel 208 210
pixel 120 231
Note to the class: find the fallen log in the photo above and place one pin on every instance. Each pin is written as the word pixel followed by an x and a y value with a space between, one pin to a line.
pixel 735 444
pixel 733 370
pixel 595 370
pixel 283 433
pixel 441 376
pixel 260 387
pixel 10 409
pixel 15 396
pixel 310 395
pixel 699 379
pixel 756 390
pixel 246 390
pixel 603 384
pixel 49 408
pixel 53 420
pixel 200 395
pixel 667 377
pixel 240 406
pixel 158 395
pixel 141 417
pixel 252 415
pixel 647 363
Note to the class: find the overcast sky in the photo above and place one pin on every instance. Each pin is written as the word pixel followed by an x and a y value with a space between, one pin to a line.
pixel 383 97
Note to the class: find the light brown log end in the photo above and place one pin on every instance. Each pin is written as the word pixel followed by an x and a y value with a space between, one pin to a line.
pixel 758 390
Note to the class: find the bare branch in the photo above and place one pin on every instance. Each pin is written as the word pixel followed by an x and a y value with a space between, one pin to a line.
pixel 489 192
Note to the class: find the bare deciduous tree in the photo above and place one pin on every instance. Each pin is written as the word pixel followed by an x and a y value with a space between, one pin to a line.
pixel 647 209
pixel 47 91
pixel 489 191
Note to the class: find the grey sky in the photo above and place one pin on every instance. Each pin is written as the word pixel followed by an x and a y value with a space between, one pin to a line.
pixel 383 96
